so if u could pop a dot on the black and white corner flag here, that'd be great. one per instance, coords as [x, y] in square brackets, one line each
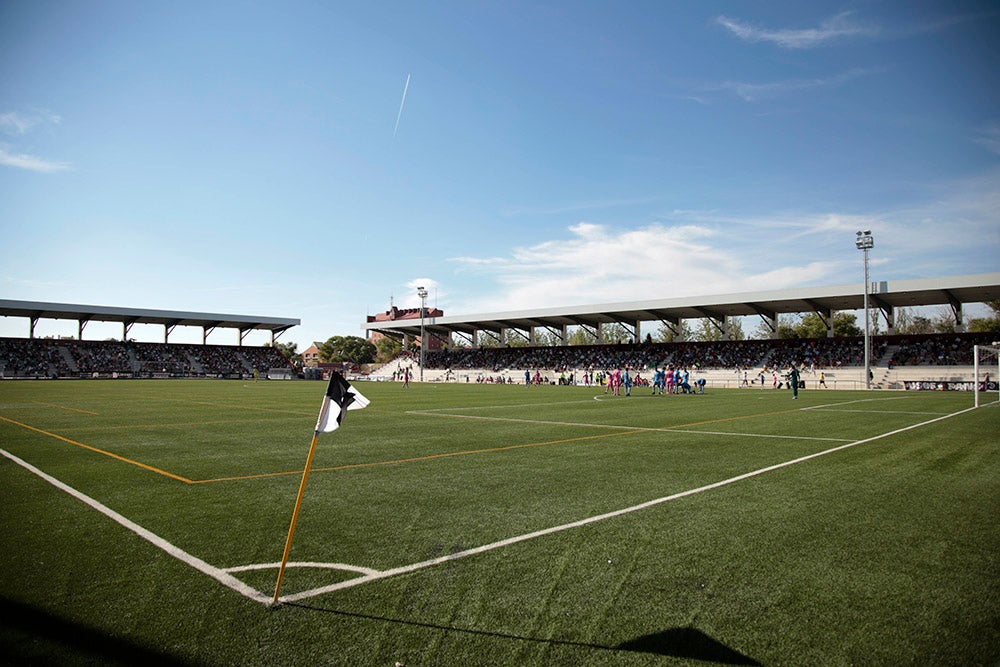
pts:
[340, 397]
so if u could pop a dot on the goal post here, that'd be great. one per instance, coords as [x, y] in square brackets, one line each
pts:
[986, 370]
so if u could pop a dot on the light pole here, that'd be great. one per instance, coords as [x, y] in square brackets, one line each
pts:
[422, 293]
[865, 242]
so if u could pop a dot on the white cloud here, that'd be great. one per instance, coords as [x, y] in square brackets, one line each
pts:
[598, 264]
[31, 162]
[836, 27]
[989, 138]
[955, 231]
[753, 92]
[410, 298]
[16, 123]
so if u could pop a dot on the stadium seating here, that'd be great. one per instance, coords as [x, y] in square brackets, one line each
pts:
[51, 358]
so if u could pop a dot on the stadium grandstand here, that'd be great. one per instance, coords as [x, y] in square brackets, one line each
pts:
[896, 361]
[78, 358]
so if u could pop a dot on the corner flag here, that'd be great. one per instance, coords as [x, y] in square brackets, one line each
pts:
[340, 397]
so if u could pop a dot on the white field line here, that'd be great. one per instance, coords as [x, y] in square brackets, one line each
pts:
[224, 577]
[619, 427]
[860, 400]
[221, 576]
[406, 569]
[323, 566]
[881, 412]
[836, 407]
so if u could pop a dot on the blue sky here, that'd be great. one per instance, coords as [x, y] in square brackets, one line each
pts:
[261, 158]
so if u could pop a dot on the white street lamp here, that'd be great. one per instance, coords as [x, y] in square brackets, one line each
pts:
[422, 293]
[865, 242]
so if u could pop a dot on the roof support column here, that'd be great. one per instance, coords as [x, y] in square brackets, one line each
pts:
[825, 314]
[718, 321]
[772, 325]
[672, 325]
[957, 312]
[887, 310]
[769, 317]
[467, 337]
[79, 329]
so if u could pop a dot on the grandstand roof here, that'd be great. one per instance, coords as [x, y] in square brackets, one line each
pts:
[887, 295]
[36, 310]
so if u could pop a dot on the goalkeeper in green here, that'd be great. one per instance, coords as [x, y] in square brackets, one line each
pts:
[793, 379]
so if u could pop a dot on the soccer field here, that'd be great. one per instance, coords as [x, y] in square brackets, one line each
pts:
[497, 525]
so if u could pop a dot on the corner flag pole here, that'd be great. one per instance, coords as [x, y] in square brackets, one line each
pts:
[295, 517]
[339, 398]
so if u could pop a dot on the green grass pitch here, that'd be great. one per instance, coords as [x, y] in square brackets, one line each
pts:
[497, 525]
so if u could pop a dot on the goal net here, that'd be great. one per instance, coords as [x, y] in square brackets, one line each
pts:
[987, 372]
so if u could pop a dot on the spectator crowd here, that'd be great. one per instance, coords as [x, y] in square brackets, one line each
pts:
[72, 358]
[48, 357]
[812, 353]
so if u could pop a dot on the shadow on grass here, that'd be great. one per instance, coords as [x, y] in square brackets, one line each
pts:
[32, 636]
[676, 642]
[686, 643]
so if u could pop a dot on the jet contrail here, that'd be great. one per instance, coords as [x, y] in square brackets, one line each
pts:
[401, 103]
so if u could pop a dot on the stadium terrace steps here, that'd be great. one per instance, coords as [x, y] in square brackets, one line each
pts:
[844, 377]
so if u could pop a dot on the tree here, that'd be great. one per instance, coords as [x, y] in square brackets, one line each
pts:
[664, 334]
[787, 327]
[546, 338]
[488, 339]
[944, 322]
[909, 324]
[735, 327]
[707, 330]
[782, 323]
[614, 333]
[812, 326]
[514, 338]
[987, 324]
[347, 348]
[289, 350]
[386, 348]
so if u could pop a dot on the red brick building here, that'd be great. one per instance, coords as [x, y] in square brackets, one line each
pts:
[394, 314]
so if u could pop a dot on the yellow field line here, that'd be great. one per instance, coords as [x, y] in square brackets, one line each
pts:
[240, 406]
[100, 451]
[371, 464]
[172, 424]
[415, 459]
[65, 407]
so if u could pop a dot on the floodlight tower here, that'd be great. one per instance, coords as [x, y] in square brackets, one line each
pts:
[865, 242]
[422, 293]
